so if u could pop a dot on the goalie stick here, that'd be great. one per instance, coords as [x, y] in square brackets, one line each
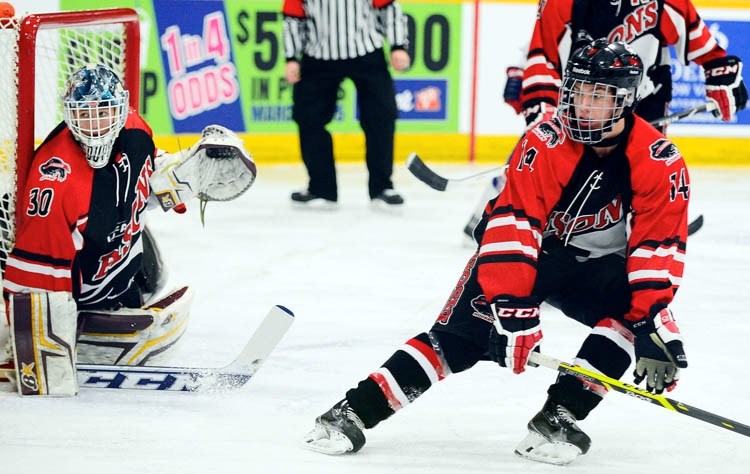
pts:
[639, 393]
[230, 377]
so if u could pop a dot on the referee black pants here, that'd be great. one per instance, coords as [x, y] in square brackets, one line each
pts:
[314, 108]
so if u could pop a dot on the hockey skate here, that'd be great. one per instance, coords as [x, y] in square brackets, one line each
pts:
[554, 437]
[337, 431]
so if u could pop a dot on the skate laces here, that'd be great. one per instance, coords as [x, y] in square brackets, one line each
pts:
[342, 411]
[563, 417]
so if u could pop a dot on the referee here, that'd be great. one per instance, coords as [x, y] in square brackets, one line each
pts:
[326, 41]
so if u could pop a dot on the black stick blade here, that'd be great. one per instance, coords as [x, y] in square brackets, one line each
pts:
[420, 170]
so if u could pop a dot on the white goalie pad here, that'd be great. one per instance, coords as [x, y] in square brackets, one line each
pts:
[216, 168]
[43, 329]
[135, 336]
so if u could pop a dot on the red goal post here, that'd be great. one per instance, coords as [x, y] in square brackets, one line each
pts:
[38, 52]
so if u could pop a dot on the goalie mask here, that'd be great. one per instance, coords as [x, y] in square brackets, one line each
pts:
[599, 88]
[95, 106]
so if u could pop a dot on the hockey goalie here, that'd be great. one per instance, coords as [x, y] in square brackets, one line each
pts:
[85, 281]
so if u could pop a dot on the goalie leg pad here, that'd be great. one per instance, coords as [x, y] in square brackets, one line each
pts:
[135, 336]
[43, 328]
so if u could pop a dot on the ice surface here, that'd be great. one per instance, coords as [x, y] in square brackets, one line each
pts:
[361, 283]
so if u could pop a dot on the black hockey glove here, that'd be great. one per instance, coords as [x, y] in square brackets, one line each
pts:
[724, 85]
[658, 351]
[515, 333]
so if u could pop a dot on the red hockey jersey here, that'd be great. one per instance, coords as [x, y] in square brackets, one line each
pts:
[631, 202]
[78, 228]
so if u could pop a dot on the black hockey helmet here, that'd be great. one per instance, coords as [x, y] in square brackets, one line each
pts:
[601, 82]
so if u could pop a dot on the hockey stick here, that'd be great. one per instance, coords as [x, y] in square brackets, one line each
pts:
[230, 377]
[683, 114]
[639, 393]
[424, 173]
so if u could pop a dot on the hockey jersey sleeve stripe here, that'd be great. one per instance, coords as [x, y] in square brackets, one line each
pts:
[523, 225]
[21, 254]
[545, 79]
[508, 247]
[652, 286]
[40, 269]
[673, 252]
[663, 275]
[507, 258]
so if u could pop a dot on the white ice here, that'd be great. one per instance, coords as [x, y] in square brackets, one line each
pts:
[361, 283]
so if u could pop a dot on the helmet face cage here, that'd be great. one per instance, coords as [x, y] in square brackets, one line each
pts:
[588, 110]
[599, 88]
[95, 107]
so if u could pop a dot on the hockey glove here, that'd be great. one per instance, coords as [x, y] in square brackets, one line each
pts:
[658, 352]
[512, 89]
[515, 333]
[538, 113]
[725, 87]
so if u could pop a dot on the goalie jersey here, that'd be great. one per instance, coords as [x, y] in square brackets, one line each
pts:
[79, 228]
[562, 197]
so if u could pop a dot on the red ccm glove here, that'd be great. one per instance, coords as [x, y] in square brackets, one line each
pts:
[515, 333]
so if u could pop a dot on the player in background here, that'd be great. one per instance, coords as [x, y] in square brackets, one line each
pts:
[592, 220]
[649, 27]
[85, 276]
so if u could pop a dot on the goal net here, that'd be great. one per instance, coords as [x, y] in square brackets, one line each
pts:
[38, 53]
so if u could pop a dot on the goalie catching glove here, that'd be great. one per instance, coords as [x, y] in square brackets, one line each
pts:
[514, 335]
[216, 168]
[658, 351]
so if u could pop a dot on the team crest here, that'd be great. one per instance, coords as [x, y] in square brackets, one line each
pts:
[54, 169]
[481, 309]
[550, 133]
[664, 150]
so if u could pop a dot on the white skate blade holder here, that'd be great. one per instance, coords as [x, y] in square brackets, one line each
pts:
[326, 441]
[535, 447]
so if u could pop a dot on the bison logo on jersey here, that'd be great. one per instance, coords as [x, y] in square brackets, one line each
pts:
[664, 150]
[481, 309]
[550, 133]
[54, 169]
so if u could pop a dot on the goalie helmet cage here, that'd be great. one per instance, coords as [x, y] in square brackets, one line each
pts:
[38, 53]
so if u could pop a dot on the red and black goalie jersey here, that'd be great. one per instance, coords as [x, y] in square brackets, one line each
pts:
[79, 228]
[561, 196]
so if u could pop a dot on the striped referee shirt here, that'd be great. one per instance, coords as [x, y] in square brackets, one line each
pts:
[341, 29]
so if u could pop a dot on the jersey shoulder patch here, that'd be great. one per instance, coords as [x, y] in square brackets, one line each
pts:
[550, 132]
[662, 149]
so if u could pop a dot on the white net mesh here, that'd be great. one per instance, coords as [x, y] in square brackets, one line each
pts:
[64, 42]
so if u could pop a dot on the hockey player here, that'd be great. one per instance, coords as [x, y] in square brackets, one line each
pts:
[593, 220]
[649, 26]
[85, 276]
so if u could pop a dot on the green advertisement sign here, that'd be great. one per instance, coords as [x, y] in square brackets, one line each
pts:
[427, 95]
